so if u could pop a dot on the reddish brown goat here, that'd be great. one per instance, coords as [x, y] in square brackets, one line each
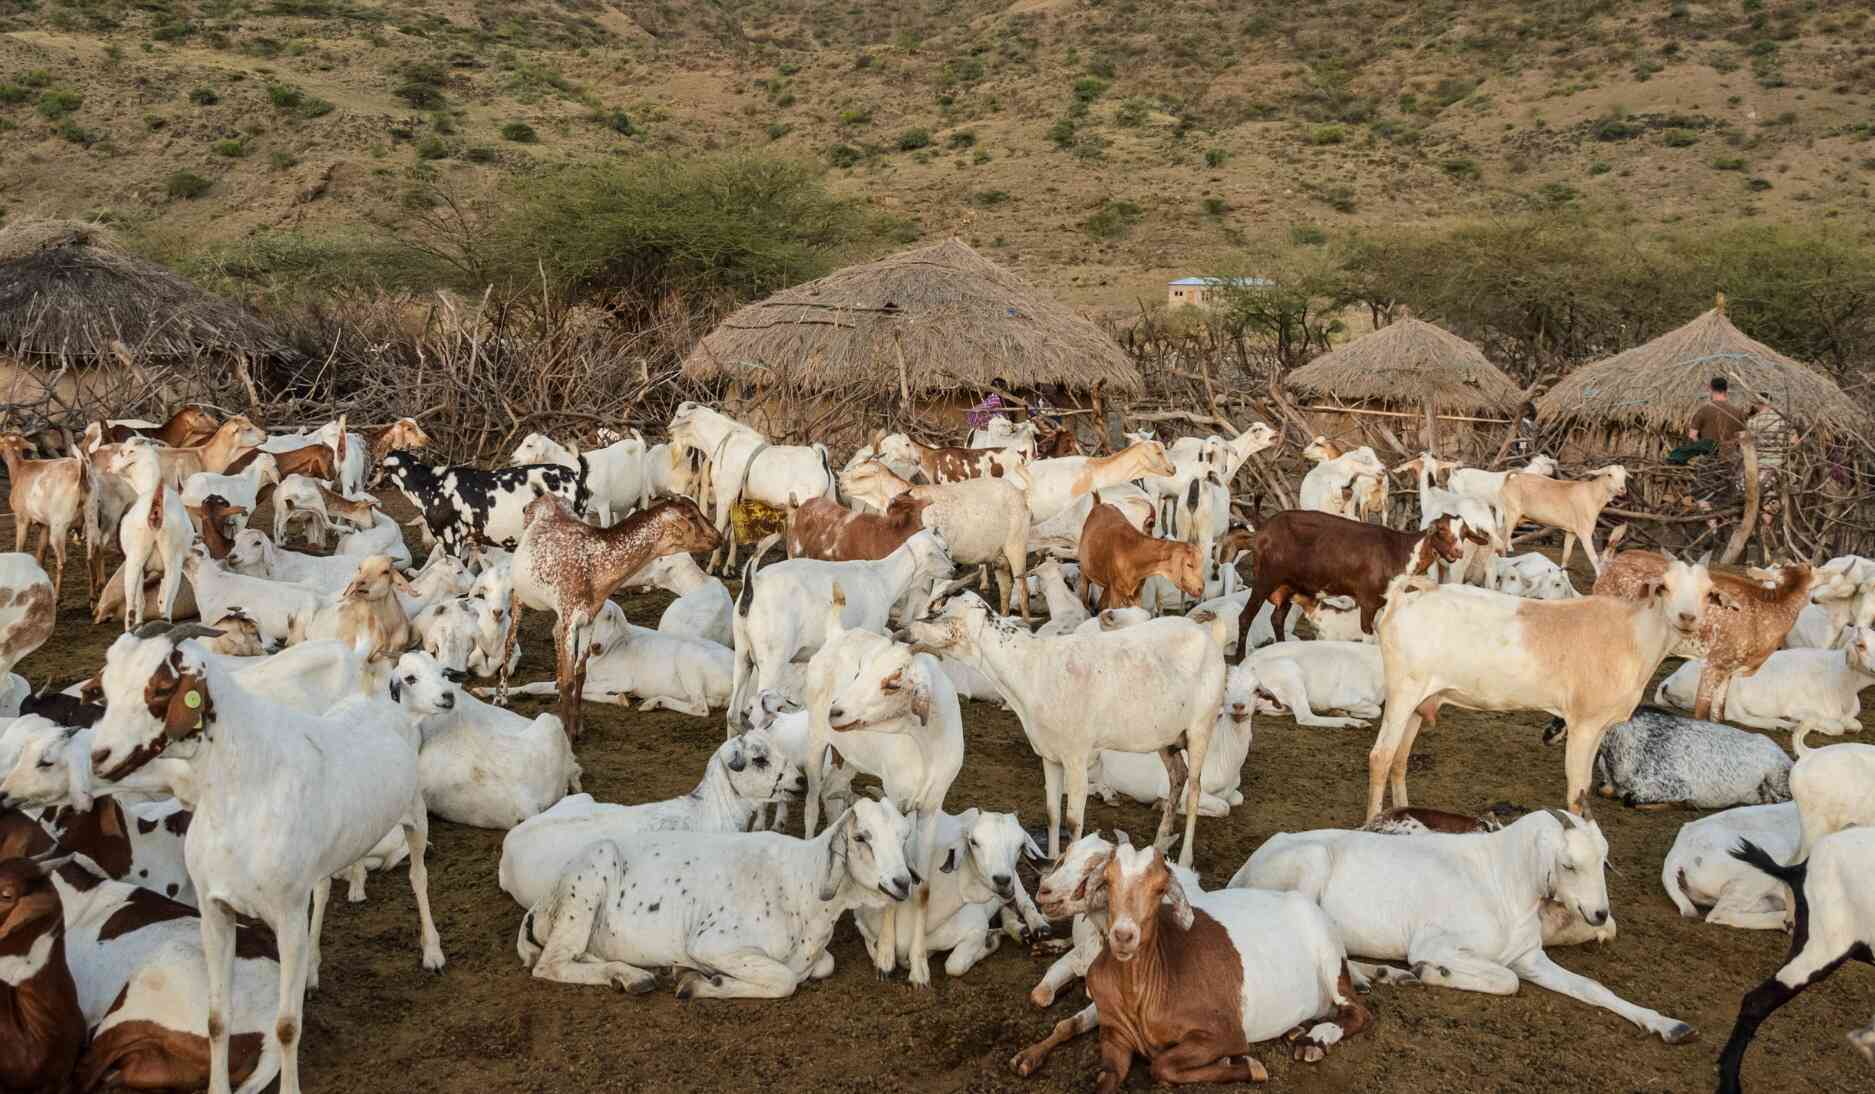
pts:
[186, 428]
[826, 530]
[312, 460]
[1056, 443]
[1301, 551]
[42, 1029]
[213, 517]
[1747, 624]
[1119, 559]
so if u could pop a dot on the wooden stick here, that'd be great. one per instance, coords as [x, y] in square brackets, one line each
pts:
[1402, 414]
[1735, 548]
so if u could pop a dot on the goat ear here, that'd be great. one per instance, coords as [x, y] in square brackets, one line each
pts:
[1582, 807]
[1030, 849]
[921, 700]
[836, 855]
[1181, 904]
[949, 865]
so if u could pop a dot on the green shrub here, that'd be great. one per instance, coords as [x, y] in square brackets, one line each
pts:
[421, 96]
[1062, 133]
[618, 122]
[1600, 167]
[1757, 183]
[37, 77]
[154, 122]
[1215, 206]
[186, 186]
[778, 130]
[1728, 163]
[281, 160]
[233, 148]
[1461, 167]
[1114, 220]
[913, 139]
[844, 155]
[1307, 235]
[987, 199]
[1132, 112]
[174, 30]
[963, 138]
[204, 96]
[1614, 127]
[1338, 197]
[13, 94]
[519, 133]
[284, 97]
[56, 104]
[1555, 194]
[1215, 157]
[857, 115]
[1089, 88]
[1680, 138]
[1327, 134]
[480, 154]
[432, 148]
[74, 133]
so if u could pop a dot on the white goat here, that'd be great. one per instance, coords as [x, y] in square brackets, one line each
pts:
[703, 608]
[1053, 485]
[1700, 870]
[241, 489]
[1530, 575]
[1810, 689]
[157, 523]
[614, 475]
[282, 802]
[384, 537]
[1344, 484]
[1465, 911]
[282, 610]
[781, 612]
[742, 464]
[1301, 678]
[1156, 685]
[687, 675]
[255, 555]
[755, 911]
[984, 521]
[1141, 777]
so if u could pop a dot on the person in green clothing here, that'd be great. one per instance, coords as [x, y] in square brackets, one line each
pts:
[1715, 425]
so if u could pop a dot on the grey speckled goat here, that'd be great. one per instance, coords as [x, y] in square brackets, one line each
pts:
[1659, 757]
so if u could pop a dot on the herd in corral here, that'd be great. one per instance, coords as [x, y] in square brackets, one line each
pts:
[171, 826]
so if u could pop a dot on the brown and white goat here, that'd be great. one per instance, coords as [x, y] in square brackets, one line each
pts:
[42, 1029]
[315, 461]
[822, 528]
[1745, 626]
[568, 567]
[218, 522]
[948, 464]
[50, 495]
[1573, 506]
[370, 613]
[1191, 982]
[1119, 559]
[402, 433]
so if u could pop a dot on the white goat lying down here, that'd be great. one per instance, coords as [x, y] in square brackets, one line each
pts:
[1531, 575]
[1700, 870]
[1141, 776]
[1658, 757]
[744, 915]
[1835, 921]
[976, 882]
[744, 774]
[1844, 594]
[670, 672]
[481, 765]
[1818, 690]
[1464, 911]
[702, 608]
[1302, 678]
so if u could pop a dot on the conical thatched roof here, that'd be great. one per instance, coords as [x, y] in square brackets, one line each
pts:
[1410, 362]
[68, 291]
[954, 315]
[1659, 385]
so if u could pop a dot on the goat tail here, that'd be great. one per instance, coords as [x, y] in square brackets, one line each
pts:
[1758, 858]
[1396, 596]
[1799, 742]
[833, 481]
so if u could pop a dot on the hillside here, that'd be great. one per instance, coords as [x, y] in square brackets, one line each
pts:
[1097, 145]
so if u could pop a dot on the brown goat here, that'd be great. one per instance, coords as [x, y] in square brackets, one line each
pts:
[369, 608]
[402, 433]
[42, 1029]
[188, 426]
[213, 517]
[824, 529]
[564, 565]
[1746, 624]
[1119, 559]
[1300, 551]
[312, 460]
[49, 495]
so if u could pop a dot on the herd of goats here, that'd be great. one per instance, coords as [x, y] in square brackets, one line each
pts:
[170, 828]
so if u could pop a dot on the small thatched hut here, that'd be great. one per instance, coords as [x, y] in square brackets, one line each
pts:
[1636, 399]
[103, 330]
[1408, 372]
[930, 326]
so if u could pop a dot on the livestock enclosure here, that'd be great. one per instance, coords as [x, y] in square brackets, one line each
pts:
[380, 1025]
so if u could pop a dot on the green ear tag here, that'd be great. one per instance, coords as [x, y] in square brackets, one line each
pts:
[192, 699]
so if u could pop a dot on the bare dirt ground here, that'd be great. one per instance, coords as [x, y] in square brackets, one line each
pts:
[379, 1023]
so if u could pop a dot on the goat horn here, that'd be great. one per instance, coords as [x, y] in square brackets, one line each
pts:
[1565, 819]
[154, 629]
[193, 630]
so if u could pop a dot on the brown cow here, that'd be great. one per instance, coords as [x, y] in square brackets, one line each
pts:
[1301, 551]
[1119, 559]
[824, 529]
[1746, 624]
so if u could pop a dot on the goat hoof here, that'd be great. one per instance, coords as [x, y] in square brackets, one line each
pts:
[1680, 1034]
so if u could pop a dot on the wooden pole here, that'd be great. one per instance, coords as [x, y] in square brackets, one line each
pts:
[1748, 522]
[1432, 427]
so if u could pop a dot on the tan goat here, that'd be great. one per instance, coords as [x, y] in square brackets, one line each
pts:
[49, 495]
[1573, 506]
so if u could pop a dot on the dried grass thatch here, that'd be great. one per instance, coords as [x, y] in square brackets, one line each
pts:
[70, 293]
[950, 315]
[1659, 385]
[1410, 362]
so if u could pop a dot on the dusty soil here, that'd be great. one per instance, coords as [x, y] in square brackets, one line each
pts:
[380, 1024]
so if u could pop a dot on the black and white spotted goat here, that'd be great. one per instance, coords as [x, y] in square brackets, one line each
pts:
[467, 507]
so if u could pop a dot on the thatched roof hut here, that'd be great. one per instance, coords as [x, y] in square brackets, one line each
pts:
[1656, 387]
[1410, 363]
[70, 293]
[929, 320]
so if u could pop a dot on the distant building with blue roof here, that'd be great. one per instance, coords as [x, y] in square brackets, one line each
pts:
[1195, 291]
